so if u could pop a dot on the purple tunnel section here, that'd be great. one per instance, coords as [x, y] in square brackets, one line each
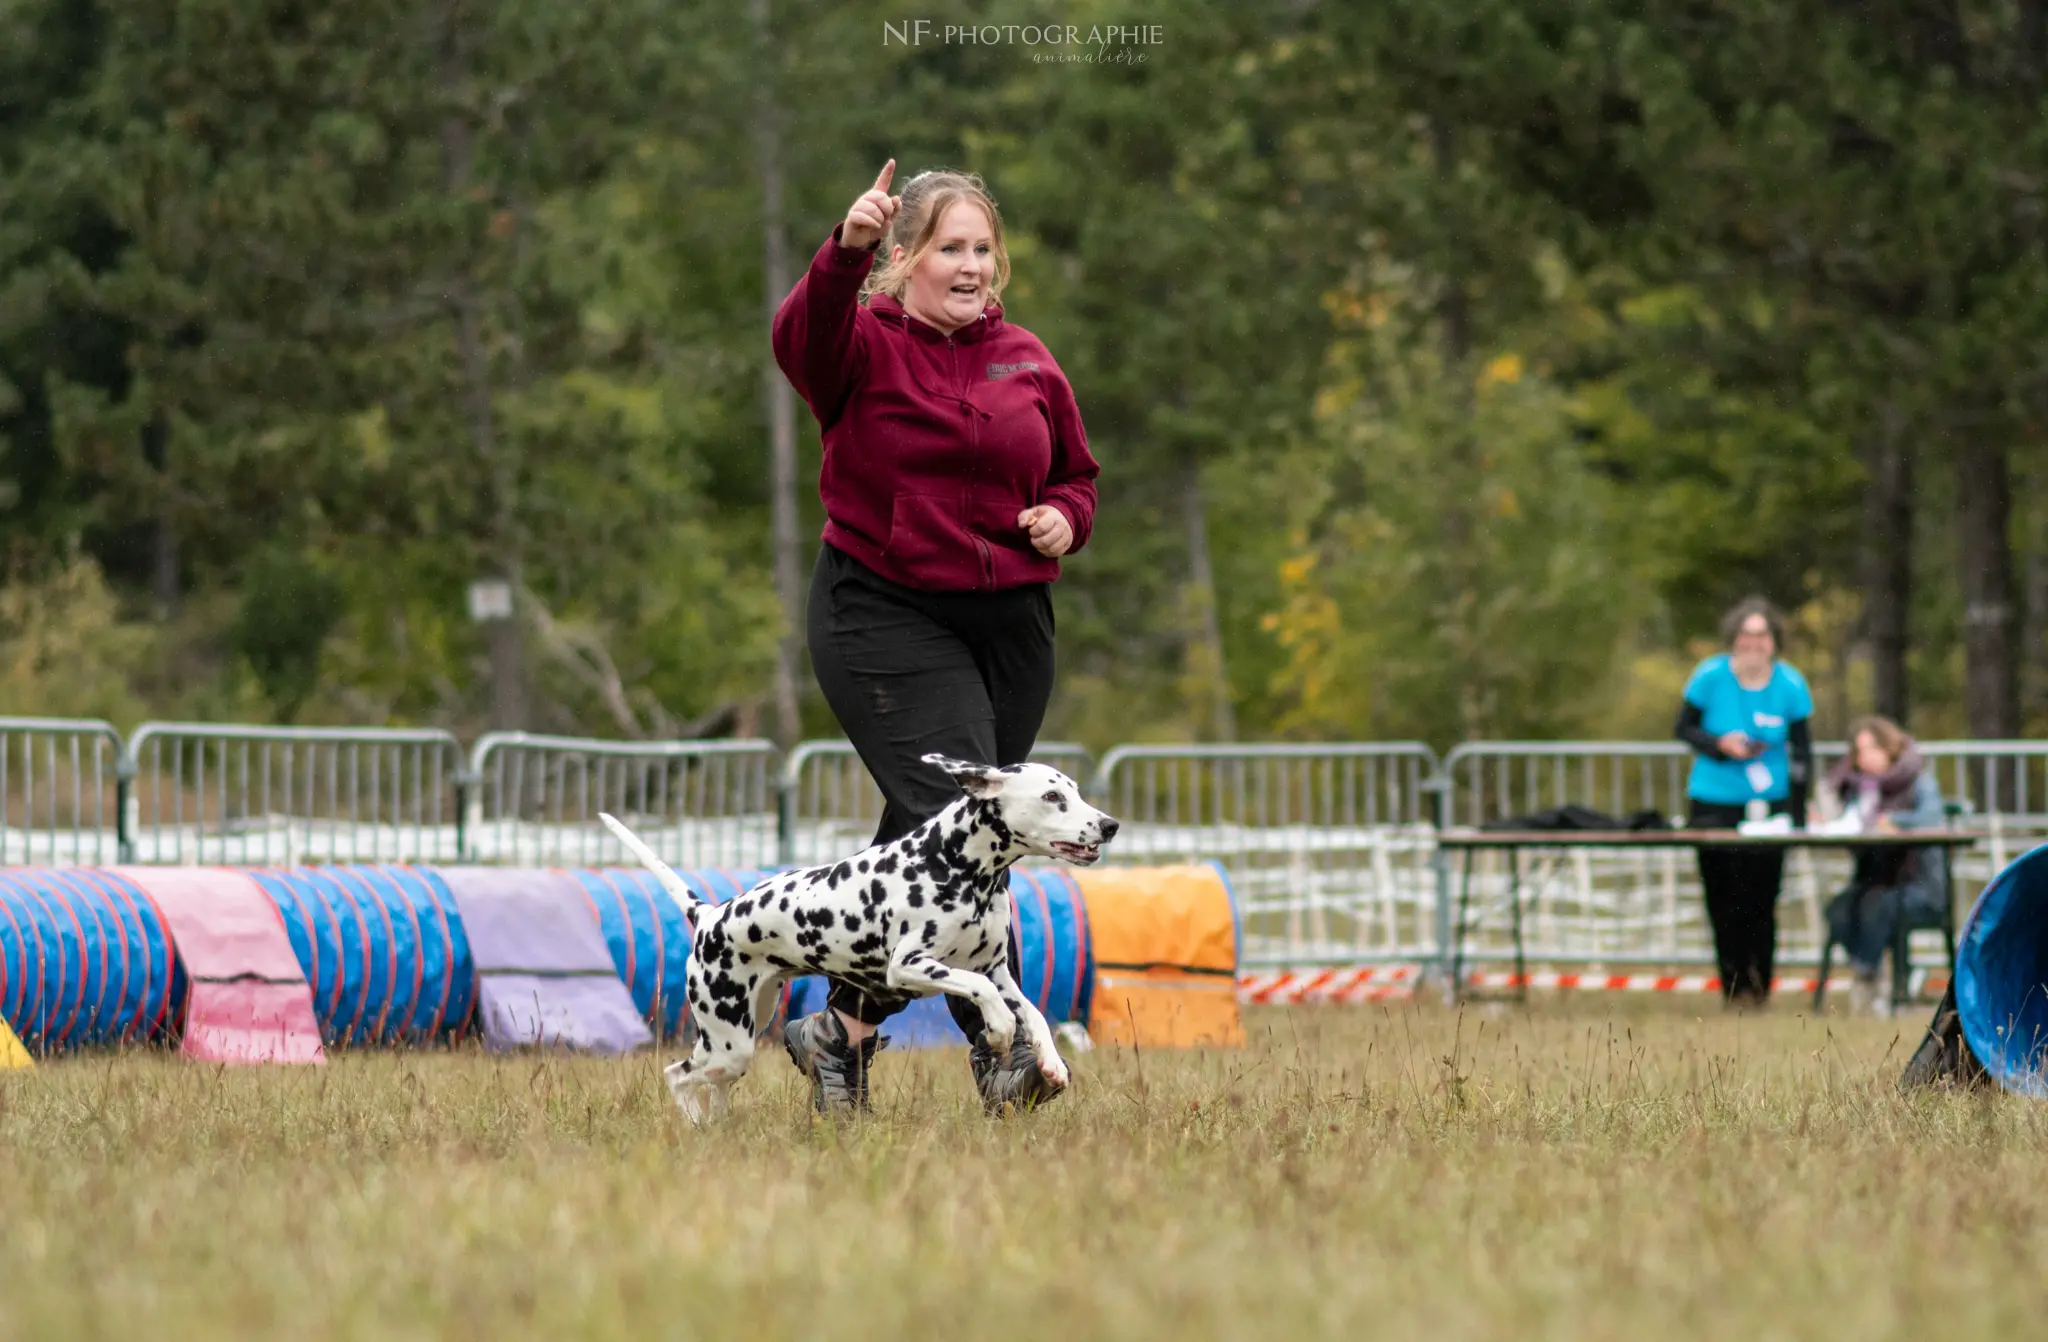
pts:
[545, 977]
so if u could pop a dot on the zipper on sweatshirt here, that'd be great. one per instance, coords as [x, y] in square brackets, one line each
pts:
[988, 559]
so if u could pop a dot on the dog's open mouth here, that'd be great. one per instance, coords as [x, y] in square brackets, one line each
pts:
[1082, 853]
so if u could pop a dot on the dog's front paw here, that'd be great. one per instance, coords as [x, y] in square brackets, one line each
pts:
[999, 1035]
[1054, 1069]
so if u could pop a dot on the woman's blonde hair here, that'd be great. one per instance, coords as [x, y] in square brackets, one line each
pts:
[1890, 737]
[926, 198]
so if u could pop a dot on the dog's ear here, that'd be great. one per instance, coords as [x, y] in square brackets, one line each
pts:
[977, 780]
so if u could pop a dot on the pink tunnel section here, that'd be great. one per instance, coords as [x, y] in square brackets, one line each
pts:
[247, 1000]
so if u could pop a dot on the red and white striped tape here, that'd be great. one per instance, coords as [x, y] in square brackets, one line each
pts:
[1359, 983]
[1393, 983]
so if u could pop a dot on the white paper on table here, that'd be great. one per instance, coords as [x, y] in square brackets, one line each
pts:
[1777, 824]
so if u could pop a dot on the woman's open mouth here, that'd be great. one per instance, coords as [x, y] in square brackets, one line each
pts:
[1079, 853]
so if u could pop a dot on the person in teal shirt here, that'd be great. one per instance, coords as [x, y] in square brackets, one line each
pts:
[1747, 716]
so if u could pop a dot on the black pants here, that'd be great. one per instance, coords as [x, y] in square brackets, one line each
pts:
[1742, 901]
[907, 673]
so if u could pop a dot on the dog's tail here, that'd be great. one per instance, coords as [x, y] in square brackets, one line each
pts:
[670, 882]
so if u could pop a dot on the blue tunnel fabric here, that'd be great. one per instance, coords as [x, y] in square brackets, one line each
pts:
[1056, 954]
[648, 940]
[2002, 976]
[648, 936]
[383, 949]
[84, 959]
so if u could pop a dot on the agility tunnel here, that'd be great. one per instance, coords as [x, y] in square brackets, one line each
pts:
[1166, 943]
[84, 959]
[281, 965]
[2001, 978]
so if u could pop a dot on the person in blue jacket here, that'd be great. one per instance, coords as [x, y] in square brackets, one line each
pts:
[1747, 716]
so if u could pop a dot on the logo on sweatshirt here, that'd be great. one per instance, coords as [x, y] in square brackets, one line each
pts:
[996, 370]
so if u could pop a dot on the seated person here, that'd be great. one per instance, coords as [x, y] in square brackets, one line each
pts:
[1884, 781]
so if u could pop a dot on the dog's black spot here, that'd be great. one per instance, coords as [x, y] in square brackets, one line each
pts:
[753, 932]
[913, 898]
[938, 972]
[782, 906]
[931, 932]
[885, 864]
[863, 866]
[852, 922]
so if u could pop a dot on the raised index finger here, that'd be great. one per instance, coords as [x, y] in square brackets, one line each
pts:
[882, 178]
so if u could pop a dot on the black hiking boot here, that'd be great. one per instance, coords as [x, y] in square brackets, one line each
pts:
[1017, 1081]
[838, 1070]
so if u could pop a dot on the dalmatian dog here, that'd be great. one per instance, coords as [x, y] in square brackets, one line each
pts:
[927, 913]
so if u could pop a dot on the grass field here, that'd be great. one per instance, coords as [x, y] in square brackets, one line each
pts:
[1592, 1170]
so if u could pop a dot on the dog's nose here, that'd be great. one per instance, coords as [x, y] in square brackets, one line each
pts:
[1109, 828]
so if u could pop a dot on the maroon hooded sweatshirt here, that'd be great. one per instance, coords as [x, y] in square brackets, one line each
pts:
[933, 443]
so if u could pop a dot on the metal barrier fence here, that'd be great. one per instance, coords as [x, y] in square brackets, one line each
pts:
[60, 792]
[1330, 848]
[534, 800]
[830, 806]
[203, 793]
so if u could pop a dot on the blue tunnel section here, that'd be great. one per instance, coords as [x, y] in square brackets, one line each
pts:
[1057, 955]
[648, 937]
[84, 959]
[383, 950]
[2002, 976]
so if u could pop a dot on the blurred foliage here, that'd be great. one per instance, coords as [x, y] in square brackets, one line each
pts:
[1502, 342]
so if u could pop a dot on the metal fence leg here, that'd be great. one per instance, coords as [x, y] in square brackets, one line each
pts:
[785, 823]
[465, 788]
[124, 796]
[1443, 970]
